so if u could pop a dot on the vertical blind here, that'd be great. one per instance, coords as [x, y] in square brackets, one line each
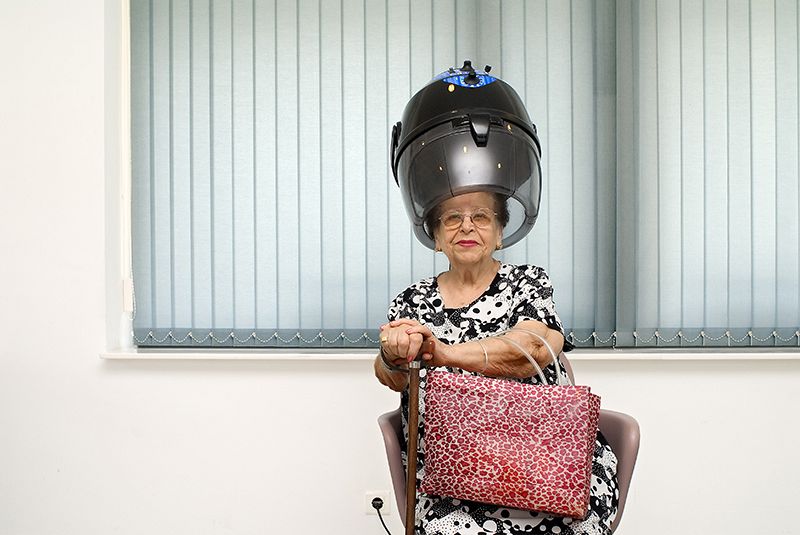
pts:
[265, 214]
[708, 241]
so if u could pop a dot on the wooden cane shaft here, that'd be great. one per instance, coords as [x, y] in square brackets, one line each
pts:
[413, 433]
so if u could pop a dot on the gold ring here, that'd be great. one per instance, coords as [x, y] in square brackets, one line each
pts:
[384, 339]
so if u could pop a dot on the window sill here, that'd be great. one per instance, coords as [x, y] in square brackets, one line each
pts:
[720, 354]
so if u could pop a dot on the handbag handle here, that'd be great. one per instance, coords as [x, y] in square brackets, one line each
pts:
[540, 373]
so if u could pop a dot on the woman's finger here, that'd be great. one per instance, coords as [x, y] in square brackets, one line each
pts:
[420, 329]
[402, 321]
[414, 345]
[402, 343]
[389, 344]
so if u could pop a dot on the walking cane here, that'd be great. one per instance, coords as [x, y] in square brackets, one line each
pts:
[413, 432]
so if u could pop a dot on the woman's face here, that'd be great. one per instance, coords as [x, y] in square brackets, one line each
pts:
[466, 242]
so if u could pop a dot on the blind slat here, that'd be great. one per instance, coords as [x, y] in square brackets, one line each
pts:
[716, 163]
[740, 228]
[693, 183]
[787, 145]
[310, 163]
[557, 206]
[669, 156]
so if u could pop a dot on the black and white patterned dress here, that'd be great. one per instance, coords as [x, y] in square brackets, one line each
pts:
[517, 293]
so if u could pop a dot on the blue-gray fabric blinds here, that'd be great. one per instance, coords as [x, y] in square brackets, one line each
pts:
[265, 214]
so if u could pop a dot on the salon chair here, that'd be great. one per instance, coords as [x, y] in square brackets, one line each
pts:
[621, 431]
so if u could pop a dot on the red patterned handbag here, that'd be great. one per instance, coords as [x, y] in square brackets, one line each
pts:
[508, 443]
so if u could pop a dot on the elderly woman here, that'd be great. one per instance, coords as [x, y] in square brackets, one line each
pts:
[477, 299]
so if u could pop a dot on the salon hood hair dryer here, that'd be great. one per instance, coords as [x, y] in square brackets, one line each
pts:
[467, 131]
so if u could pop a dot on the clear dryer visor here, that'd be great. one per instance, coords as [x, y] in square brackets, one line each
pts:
[444, 163]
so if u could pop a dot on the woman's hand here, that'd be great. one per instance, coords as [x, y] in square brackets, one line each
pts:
[399, 346]
[403, 339]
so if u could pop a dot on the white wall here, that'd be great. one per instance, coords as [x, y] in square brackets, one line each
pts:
[89, 446]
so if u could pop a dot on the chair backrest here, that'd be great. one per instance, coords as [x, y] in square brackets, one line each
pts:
[621, 431]
[391, 424]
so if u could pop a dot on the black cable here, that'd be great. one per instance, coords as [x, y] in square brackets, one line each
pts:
[377, 503]
[382, 522]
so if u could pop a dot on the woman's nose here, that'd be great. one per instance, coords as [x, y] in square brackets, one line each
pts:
[464, 224]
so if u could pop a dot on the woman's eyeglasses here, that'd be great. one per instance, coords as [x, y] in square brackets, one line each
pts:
[481, 218]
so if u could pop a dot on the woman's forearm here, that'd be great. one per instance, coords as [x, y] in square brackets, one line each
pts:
[504, 355]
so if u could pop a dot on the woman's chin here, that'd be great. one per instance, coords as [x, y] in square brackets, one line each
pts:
[469, 255]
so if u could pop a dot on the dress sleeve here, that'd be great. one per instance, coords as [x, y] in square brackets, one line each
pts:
[533, 300]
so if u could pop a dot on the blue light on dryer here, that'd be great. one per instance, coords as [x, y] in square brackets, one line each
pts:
[478, 80]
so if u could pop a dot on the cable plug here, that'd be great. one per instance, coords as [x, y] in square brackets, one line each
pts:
[377, 504]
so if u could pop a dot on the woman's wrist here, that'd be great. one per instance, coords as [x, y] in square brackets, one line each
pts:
[388, 365]
[485, 357]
